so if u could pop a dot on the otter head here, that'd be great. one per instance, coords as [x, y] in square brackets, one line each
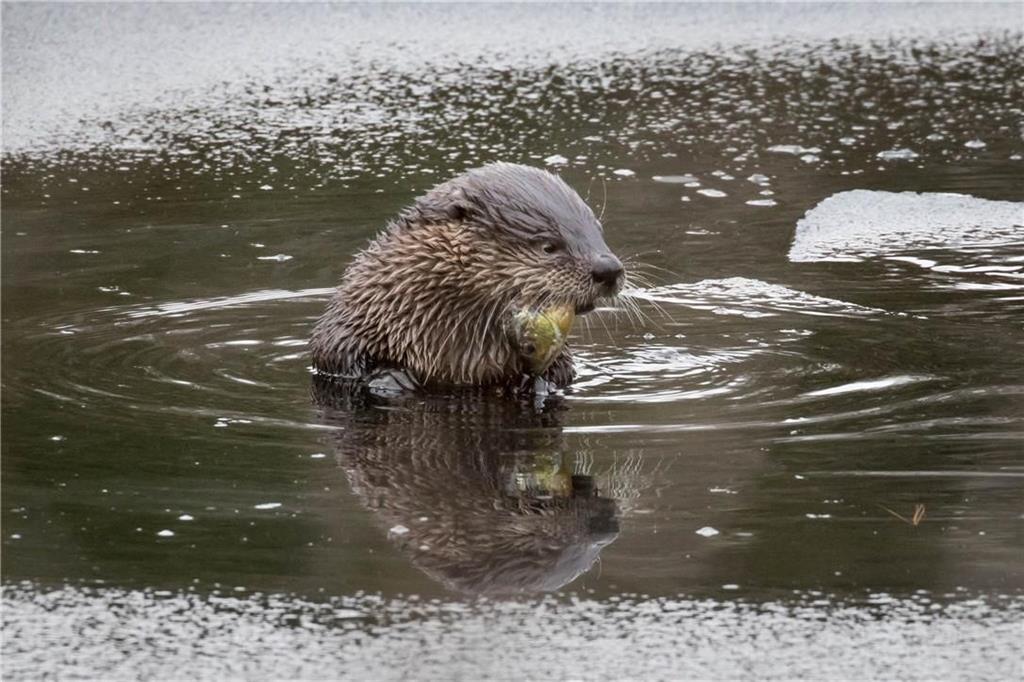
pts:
[433, 294]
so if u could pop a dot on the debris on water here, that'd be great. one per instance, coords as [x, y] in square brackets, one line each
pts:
[975, 144]
[84, 251]
[398, 530]
[730, 586]
[624, 172]
[902, 154]
[556, 160]
[818, 516]
[713, 193]
[759, 179]
[280, 257]
[166, 533]
[915, 519]
[707, 531]
[762, 202]
[186, 517]
[267, 505]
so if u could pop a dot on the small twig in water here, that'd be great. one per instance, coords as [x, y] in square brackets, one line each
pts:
[916, 518]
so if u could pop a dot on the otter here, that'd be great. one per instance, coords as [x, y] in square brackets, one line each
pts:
[429, 301]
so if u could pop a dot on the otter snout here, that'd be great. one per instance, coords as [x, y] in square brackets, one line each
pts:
[608, 272]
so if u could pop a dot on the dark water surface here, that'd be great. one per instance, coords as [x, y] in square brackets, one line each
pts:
[823, 208]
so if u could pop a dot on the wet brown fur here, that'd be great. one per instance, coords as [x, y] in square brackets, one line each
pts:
[431, 295]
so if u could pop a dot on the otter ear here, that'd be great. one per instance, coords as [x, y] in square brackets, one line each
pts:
[459, 207]
[459, 211]
[451, 206]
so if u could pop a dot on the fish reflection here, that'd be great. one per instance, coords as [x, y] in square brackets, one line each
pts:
[479, 493]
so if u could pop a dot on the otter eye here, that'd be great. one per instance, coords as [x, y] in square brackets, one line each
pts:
[530, 349]
[551, 247]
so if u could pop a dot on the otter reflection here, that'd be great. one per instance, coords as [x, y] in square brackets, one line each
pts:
[478, 492]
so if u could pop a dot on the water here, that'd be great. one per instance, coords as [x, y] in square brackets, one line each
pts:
[823, 203]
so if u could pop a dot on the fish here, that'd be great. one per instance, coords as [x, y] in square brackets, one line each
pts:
[540, 335]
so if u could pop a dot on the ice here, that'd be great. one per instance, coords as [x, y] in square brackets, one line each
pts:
[675, 179]
[860, 224]
[902, 154]
[707, 531]
[267, 505]
[713, 193]
[794, 149]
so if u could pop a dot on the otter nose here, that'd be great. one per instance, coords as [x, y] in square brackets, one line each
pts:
[606, 269]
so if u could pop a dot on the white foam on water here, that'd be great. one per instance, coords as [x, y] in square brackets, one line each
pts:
[861, 224]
